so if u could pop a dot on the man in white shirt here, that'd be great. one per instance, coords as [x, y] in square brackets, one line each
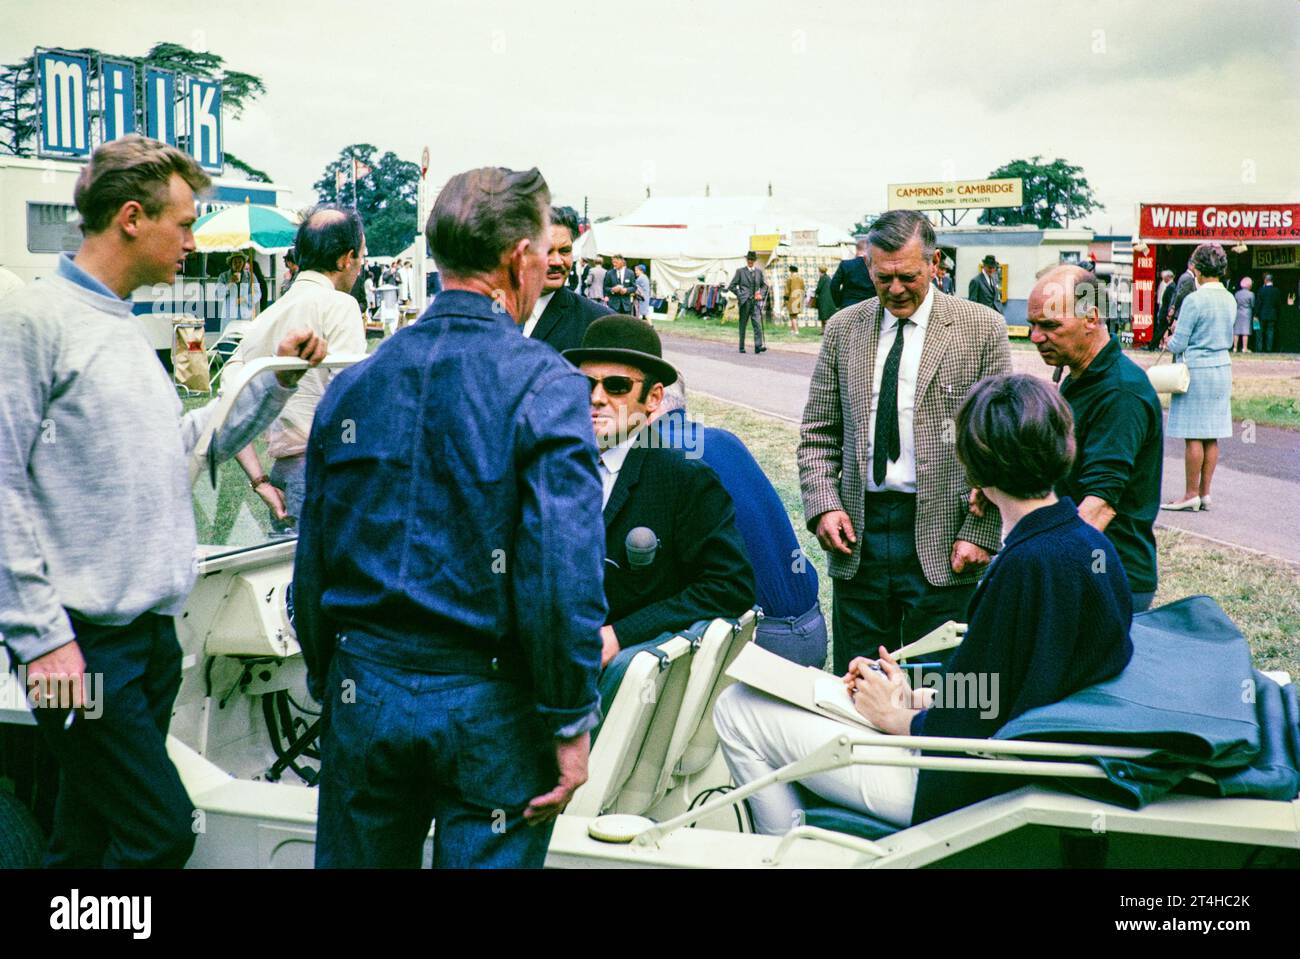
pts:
[561, 317]
[331, 248]
[881, 483]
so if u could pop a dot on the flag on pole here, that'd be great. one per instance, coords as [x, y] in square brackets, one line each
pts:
[359, 169]
[339, 180]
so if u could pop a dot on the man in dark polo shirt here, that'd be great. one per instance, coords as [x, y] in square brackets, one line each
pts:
[1118, 427]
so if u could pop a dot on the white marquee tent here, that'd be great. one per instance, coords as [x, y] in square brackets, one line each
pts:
[689, 237]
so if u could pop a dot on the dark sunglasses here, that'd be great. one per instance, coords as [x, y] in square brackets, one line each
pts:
[614, 385]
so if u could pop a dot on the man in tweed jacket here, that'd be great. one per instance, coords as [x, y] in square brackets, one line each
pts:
[905, 551]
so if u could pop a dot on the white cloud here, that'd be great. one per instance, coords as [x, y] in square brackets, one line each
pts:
[829, 102]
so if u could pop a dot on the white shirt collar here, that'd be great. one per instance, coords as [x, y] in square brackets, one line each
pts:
[921, 317]
[538, 309]
[613, 458]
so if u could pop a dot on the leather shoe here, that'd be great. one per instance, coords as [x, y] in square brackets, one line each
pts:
[1192, 505]
[742, 349]
[761, 349]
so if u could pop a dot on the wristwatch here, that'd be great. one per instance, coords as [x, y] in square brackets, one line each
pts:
[257, 481]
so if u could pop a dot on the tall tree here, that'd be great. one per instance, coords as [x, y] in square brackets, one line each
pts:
[385, 194]
[18, 92]
[1054, 194]
[863, 226]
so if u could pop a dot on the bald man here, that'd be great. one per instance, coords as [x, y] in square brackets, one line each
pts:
[330, 248]
[1118, 430]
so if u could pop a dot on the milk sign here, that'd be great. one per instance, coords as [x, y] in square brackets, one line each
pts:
[65, 97]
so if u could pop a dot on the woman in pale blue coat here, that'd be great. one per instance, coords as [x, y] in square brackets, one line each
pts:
[1202, 339]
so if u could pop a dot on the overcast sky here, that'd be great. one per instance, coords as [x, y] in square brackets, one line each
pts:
[828, 101]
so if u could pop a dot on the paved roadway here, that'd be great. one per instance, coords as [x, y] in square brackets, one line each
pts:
[1256, 486]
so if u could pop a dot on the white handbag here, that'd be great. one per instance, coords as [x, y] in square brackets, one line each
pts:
[1174, 378]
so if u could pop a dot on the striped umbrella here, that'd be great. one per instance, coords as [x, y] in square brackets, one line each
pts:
[266, 229]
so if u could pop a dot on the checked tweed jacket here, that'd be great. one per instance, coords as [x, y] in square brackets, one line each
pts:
[964, 343]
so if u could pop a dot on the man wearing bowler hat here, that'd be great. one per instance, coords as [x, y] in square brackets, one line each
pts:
[673, 555]
[984, 286]
[750, 288]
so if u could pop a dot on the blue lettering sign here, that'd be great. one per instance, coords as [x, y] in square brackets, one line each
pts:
[117, 98]
[160, 104]
[203, 113]
[62, 90]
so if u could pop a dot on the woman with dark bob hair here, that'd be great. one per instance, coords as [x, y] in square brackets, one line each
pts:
[1050, 617]
[1202, 339]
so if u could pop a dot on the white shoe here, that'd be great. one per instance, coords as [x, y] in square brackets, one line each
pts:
[1205, 504]
[1191, 505]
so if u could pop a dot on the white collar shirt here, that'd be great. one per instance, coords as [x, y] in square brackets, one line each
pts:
[611, 463]
[538, 309]
[900, 474]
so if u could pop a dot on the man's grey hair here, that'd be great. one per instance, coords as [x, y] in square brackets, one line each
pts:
[894, 230]
[1210, 260]
[1166, 274]
[480, 214]
[674, 395]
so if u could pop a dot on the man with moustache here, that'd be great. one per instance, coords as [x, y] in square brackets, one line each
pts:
[560, 317]
[447, 585]
[1118, 424]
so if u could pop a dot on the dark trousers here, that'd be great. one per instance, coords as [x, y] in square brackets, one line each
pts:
[889, 602]
[402, 749]
[751, 312]
[121, 802]
[1267, 331]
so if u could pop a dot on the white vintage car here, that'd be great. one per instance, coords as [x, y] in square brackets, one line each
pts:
[244, 734]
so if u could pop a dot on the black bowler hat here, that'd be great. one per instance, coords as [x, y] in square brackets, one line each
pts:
[625, 339]
[989, 260]
[751, 255]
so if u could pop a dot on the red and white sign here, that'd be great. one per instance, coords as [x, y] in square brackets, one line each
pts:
[1199, 222]
[1144, 288]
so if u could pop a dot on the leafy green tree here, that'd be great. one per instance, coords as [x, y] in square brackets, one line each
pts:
[863, 226]
[1054, 194]
[18, 93]
[385, 195]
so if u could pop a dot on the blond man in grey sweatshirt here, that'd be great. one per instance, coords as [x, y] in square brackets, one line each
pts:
[97, 542]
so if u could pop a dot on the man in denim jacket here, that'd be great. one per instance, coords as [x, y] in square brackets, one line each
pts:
[448, 591]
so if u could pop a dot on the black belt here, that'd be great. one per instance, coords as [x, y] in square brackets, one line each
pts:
[432, 657]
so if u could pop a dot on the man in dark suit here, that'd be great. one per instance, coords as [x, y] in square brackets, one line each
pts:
[1268, 307]
[673, 555]
[822, 299]
[1160, 322]
[750, 287]
[619, 286]
[984, 287]
[852, 280]
[561, 316]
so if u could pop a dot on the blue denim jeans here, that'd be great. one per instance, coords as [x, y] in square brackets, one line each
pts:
[801, 639]
[402, 749]
[289, 475]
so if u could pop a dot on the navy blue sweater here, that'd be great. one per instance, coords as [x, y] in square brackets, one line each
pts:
[1050, 617]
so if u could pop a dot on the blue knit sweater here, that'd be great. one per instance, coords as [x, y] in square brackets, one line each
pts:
[1050, 617]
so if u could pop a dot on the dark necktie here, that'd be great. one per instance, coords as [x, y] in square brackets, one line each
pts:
[887, 444]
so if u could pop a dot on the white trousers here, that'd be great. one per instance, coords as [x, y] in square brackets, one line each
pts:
[760, 734]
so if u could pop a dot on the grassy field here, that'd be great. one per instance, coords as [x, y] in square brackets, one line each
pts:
[1261, 595]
